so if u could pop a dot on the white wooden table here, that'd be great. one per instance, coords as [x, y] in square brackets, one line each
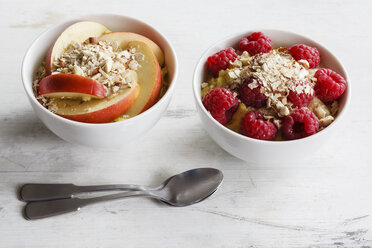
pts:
[325, 201]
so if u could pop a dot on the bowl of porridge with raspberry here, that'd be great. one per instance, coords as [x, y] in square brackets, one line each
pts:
[263, 94]
[100, 80]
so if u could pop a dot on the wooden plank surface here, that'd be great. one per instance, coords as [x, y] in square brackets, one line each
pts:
[324, 201]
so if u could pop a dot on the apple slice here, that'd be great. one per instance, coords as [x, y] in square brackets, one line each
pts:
[78, 32]
[123, 38]
[149, 78]
[71, 86]
[97, 110]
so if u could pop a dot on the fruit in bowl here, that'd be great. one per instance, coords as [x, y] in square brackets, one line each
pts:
[271, 93]
[93, 75]
[83, 106]
[232, 100]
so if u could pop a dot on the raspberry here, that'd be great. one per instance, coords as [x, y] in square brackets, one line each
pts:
[256, 43]
[301, 99]
[221, 103]
[329, 85]
[220, 61]
[252, 97]
[299, 124]
[308, 53]
[254, 126]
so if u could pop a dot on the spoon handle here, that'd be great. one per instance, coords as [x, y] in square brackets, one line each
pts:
[43, 209]
[42, 192]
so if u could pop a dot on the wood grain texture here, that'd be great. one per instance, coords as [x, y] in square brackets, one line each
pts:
[324, 201]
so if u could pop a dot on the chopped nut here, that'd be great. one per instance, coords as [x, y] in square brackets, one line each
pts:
[108, 65]
[254, 84]
[232, 75]
[235, 64]
[282, 110]
[126, 54]
[204, 84]
[78, 70]
[326, 121]
[115, 88]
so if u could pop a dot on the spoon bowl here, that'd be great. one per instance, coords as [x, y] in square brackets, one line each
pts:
[191, 186]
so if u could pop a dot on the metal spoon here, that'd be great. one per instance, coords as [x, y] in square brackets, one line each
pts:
[180, 190]
[44, 192]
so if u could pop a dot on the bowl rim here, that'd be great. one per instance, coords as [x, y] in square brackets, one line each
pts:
[168, 93]
[196, 90]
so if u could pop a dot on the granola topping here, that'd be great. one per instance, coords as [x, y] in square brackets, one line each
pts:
[101, 62]
[279, 73]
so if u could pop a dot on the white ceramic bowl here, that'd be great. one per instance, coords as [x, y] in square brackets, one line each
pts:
[259, 151]
[108, 134]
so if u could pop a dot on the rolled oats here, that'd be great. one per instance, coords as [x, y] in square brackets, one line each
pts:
[279, 73]
[99, 61]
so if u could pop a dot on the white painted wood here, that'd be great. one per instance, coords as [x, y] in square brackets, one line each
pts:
[324, 201]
